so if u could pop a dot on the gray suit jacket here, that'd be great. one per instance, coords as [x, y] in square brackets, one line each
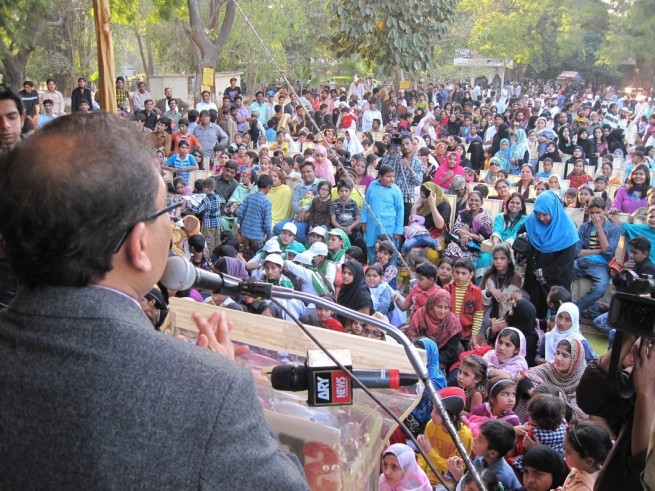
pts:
[91, 397]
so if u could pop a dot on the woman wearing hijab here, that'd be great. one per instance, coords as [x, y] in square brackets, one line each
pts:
[544, 469]
[445, 173]
[437, 321]
[565, 140]
[519, 153]
[421, 413]
[567, 326]
[584, 142]
[501, 134]
[427, 127]
[453, 125]
[564, 372]
[551, 153]
[354, 294]
[553, 237]
[523, 317]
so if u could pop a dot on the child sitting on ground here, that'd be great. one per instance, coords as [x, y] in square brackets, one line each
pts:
[426, 276]
[586, 446]
[472, 378]
[436, 442]
[545, 426]
[502, 397]
[326, 316]
[416, 235]
[400, 472]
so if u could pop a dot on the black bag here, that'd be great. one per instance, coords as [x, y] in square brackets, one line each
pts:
[521, 246]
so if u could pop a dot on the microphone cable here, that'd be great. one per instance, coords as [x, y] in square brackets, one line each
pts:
[364, 388]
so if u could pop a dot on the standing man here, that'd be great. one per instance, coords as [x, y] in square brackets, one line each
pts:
[79, 94]
[123, 98]
[408, 169]
[58, 104]
[242, 113]
[81, 314]
[209, 134]
[260, 106]
[30, 98]
[357, 89]
[173, 114]
[140, 96]
[205, 102]
[233, 90]
[162, 104]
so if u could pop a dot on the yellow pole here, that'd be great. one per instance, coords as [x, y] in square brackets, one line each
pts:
[106, 68]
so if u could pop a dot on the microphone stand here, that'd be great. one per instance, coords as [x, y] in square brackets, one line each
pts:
[410, 350]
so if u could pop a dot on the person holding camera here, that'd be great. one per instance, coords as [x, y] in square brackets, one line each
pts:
[407, 167]
[553, 239]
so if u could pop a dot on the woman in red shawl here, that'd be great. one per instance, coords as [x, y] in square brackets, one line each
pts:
[445, 173]
[437, 322]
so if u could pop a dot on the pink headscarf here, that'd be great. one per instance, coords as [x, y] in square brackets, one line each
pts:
[513, 364]
[440, 175]
[414, 479]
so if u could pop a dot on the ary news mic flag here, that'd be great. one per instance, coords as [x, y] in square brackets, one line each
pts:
[327, 385]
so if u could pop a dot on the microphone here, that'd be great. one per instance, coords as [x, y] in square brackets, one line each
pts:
[180, 274]
[295, 378]
[328, 385]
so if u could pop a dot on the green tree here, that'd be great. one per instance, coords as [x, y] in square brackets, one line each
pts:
[630, 36]
[388, 33]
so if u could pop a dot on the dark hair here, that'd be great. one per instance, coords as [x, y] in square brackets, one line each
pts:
[546, 410]
[310, 320]
[197, 242]
[559, 295]
[640, 243]
[385, 169]
[489, 479]
[464, 262]
[589, 440]
[209, 183]
[387, 246]
[498, 386]
[427, 269]
[70, 239]
[324, 183]
[513, 336]
[375, 268]
[344, 184]
[478, 365]
[356, 253]
[9, 95]
[264, 181]
[644, 168]
[232, 165]
[491, 270]
[447, 260]
[499, 435]
[506, 217]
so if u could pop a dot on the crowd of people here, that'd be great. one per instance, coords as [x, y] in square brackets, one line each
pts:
[446, 211]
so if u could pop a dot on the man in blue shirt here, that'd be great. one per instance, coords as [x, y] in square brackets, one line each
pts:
[254, 215]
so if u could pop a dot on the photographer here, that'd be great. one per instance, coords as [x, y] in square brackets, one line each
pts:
[408, 169]
[600, 397]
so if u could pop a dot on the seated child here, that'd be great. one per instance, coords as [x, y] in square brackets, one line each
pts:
[545, 426]
[502, 397]
[567, 326]
[586, 446]
[380, 291]
[384, 257]
[400, 472]
[467, 299]
[354, 327]
[444, 271]
[436, 442]
[472, 378]
[197, 249]
[326, 316]
[547, 171]
[508, 357]
[426, 276]
[416, 235]
[495, 439]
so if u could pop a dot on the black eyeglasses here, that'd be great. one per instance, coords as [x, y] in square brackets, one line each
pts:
[149, 218]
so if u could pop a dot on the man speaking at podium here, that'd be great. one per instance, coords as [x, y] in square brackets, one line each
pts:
[91, 396]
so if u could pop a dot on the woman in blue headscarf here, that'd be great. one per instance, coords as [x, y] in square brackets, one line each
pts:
[553, 237]
[420, 416]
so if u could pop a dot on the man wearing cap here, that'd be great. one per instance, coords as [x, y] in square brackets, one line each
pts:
[270, 106]
[311, 282]
[324, 266]
[255, 263]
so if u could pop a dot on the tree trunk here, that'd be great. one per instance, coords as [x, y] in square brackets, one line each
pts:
[209, 50]
[145, 51]
[14, 70]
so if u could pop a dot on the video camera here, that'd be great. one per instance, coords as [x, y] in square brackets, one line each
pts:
[629, 311]
[396, 140]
